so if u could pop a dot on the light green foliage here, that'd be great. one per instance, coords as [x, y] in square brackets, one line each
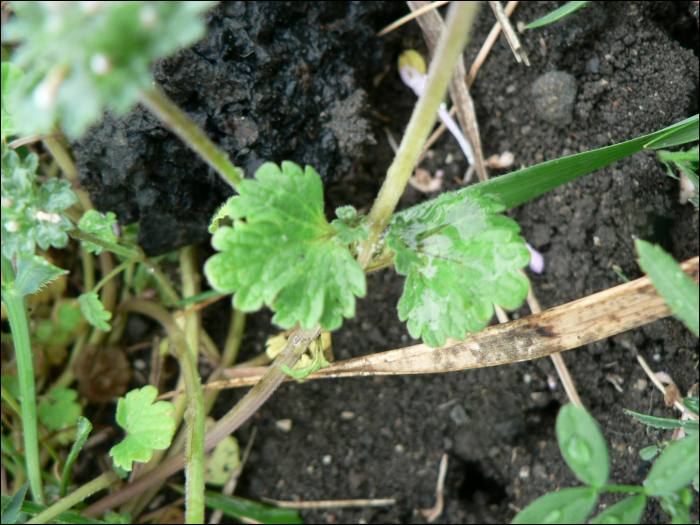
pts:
[31, 214]
[649, 453]
[80, 57]
[675, 468]
[459, 259]
[677, 505]
[285, 254]
[93, 221]
[116, 518]
[64, 324]
[350, 227]
[222, 461]
[662, 422]
[564, 506]
[33, 273]
[629, 510]
[10, 512]
[11, 74]
[94, 311]
[583, 445]
[691, 403]
[221, 214]
[84, 429]
[32, 509]
[59, 409]
[148, 426]
[557, 14]
[687, 162]
[673, 284]
[300, 370]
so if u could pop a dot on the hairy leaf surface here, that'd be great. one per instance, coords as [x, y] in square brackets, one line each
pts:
[459, 258]
[285, 254]
[92, 221]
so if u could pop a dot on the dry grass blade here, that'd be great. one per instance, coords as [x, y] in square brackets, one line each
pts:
[410, 16]
[561, 328]
[488, 44]
[432, 26]
[338, 503]
[510, 33]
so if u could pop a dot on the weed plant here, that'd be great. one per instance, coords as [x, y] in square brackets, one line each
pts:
[459, 255]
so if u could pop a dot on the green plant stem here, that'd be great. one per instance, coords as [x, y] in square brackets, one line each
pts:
[84, 491]
[129, 252]
[459, 21]
[194, 414]
[623, 488]
[113, 273]
[19, 325]
[179, 123]
[162, 280]
[297, 344]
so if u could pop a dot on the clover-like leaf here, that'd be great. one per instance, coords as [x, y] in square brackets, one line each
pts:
[59, 409]
[350, 227]
[285, 254]
[102, 226]
[148, 426]
[31, 214]
[94, 311]
[80, 57]
[459, 258]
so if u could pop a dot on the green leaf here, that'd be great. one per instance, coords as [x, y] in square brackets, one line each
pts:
[350, 227]
[84, 429]
[583, 445]
[32, 509]
[93, 222]
[629, 510]
[675, 468]
[31, 214]
[557, 14]
[564, 506]
[222, 213]
[222, 461]
[691, 403]
[148, 426]
[285, 254]
[677, 505]
[11, 512]
[662, 422]
[523, 185]
[94, 311]
[11, 75]
[33, 273]
[672, 283]
[649, 453]
[81, 58]
[459, 259]
[238, 508]
[59, 409]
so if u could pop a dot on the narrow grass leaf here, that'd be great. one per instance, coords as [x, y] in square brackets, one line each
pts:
[629, 510]
[676, 467]
[674, 137]
[673, 284]
[84, 429]
[564, 506]
[557, 14]
[94, 311]
[662, 422]
[523, 185]
[10, 513]
[583, 445]
[32, 509]
[691, 403]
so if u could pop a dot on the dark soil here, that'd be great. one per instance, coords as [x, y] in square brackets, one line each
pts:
[636, 71]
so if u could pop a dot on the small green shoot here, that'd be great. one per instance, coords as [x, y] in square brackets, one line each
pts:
[318, 361]
[94, 311]
[84, 429]
[93, 222]
[673, 284]
[350, 227]
[148, 426]
[285, 254]
[557, 14]
[10, 512]
[662, 422]
[687, 163]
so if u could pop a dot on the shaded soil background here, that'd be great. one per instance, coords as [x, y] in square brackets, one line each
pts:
[636, 71]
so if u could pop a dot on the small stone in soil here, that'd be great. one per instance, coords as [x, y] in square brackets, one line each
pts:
[554, 96]
[458, 415]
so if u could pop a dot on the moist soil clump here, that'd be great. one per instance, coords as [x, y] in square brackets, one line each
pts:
[635, 68]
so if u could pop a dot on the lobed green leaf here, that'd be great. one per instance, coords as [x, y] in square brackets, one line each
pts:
[583, 445]
[148, 426]
[101, 226]
[59, 409]
[459, 258]
[673, 284]
[675, 468]
[564, 506]
[350, 227]
[629, 510]
[33, 273]
[285, 254]
[94, 311]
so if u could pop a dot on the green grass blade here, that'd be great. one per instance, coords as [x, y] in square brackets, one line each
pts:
[34, 508]
[675, 137]
[557, 14]
[673, 284]
[521, 186]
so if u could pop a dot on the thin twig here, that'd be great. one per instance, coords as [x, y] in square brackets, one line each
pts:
[338, 503]
[410, 16]
[510, 33]
[488, 44]
[432, 514]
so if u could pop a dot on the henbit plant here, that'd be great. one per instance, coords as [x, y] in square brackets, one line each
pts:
[431, 243]
[584, 449]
